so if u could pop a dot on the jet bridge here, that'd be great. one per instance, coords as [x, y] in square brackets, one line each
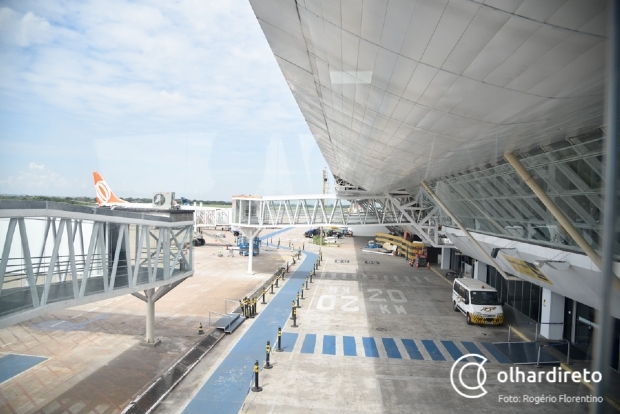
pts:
[56, 256]
[416, 213]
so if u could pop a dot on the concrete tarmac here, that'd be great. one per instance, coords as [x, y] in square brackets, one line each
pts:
[93, 359]
[378, 336]
[375, 336]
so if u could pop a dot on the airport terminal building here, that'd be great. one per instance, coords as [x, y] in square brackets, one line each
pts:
[472, 101]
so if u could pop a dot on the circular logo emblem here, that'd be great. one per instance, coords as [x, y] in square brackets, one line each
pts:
[103, 191]
[464, 389]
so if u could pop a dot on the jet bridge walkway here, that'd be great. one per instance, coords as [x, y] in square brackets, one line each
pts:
[56, 256]
[416, 213]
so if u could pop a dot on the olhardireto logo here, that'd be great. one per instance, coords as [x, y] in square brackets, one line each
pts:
[467, 390]
[556, 375]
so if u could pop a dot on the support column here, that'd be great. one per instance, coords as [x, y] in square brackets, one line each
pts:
[445, 258]
[150, 316]
[250, 233]
[480, 271]
[552, 311]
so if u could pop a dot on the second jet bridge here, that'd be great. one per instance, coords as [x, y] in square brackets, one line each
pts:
[417, 214]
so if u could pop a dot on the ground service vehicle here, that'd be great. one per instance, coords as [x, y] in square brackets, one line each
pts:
[312, 232]
[478, 301]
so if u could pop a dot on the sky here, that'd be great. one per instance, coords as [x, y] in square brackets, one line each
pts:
[158, 95]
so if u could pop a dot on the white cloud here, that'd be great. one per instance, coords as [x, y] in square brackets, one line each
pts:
[23, 30]
[141, 76]
[35, 181]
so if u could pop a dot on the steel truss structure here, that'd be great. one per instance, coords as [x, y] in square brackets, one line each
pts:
[56, 256]
[495, 200]
[211, 217]
[418, 214]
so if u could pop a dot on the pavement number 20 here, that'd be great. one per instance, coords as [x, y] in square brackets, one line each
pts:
[328, 302]
[395, 295]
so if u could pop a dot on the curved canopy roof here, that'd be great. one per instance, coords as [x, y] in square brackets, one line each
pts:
[399, 91]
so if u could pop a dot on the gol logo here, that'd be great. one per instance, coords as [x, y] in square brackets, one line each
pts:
[464, 389]
[488, 308]
[103, 191]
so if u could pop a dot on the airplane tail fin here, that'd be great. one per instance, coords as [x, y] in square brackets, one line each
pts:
[104, 193]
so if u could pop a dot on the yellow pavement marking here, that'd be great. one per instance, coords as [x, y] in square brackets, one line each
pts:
[442, 276]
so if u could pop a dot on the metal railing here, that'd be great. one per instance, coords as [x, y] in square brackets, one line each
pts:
[540, 346]
[536, 329]
[236, 302]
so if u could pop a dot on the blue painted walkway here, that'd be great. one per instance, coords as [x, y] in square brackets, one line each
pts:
[12, 365]
[227, 388]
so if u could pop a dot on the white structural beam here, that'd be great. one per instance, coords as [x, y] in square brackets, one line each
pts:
[46, 266]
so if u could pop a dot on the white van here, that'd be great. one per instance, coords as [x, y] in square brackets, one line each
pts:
[478, 301]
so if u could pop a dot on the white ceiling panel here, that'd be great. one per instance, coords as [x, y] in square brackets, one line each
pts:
[395, 90]
[361, 93]
[512, 35]
[331, 11]
[403, 107]
[352, 16]
[401, 75]
[563, 54]
[455, 19]
[373, 17]
[421, 78]
[575, 13]
[384, 65]
[543, 40]
[397, 19]
[424, 20]
[437, 88]
[389, 104]
[482, 29]
[567, 80]
[507, 5]
[456, 93]
[538, 10]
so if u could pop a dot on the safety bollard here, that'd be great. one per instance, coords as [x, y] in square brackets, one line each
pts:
[200, 331]
[267, 364]
[256, 388]
[292, 308]
[303, 246]
[306, 283]
[294, 318]
[272, 287]
[286, 267]
[298, 305]
[302, 290]
[293, 258]
[279, 348]
[254, 300]
[277, 278]
[311, 274]
[264, 296]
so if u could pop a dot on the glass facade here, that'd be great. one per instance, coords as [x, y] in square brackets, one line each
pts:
[496, 200]
[520, 294]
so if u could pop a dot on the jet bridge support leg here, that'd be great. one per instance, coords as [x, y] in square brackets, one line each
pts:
[150, 297]
[250, 233]
[150, 317]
